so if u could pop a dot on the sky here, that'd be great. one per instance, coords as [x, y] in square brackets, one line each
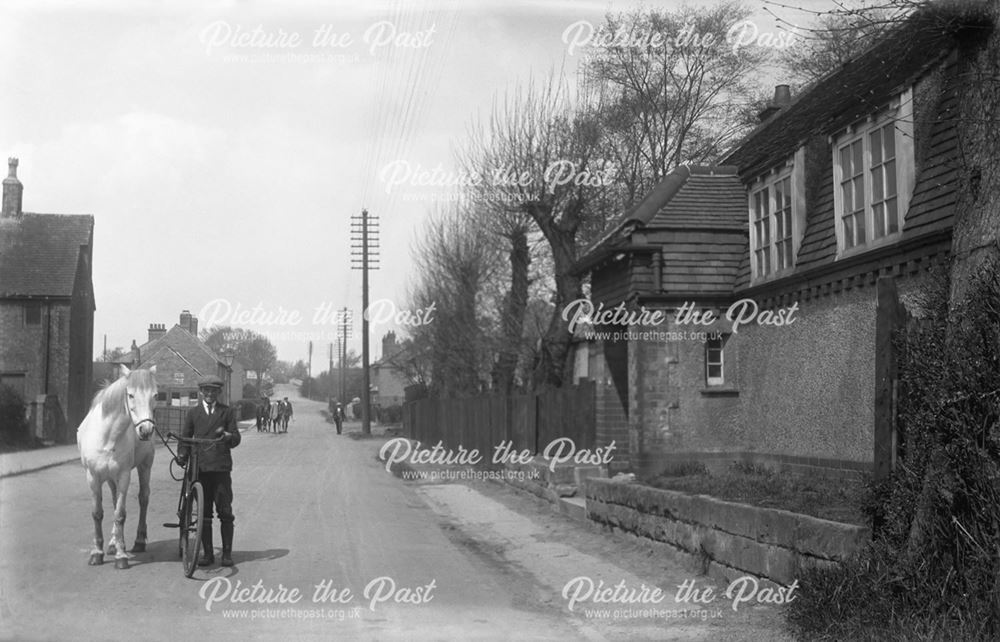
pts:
[223, 147]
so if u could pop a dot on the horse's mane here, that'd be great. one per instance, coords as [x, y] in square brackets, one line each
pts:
[110, 396]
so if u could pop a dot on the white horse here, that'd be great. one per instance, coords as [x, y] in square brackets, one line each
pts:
[113, 439]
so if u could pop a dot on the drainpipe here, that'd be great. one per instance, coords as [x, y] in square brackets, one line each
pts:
[48, 342]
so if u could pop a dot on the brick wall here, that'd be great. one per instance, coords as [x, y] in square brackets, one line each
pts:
[23, 350]
[610, 401]
[673, 412]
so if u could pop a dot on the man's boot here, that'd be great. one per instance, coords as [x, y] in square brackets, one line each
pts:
[208, 552]
[227, 543]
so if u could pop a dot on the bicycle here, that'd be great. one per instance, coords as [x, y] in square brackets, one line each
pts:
[191, 503]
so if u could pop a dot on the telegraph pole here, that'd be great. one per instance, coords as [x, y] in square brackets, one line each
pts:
[364, 234]
[345, 332]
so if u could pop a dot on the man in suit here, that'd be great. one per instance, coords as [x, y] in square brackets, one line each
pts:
[286, 414]
[338, 416]
[211, 419]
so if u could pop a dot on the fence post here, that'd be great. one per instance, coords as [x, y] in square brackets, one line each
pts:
[890, 315]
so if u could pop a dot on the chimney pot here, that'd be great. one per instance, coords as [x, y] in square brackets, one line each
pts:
[782, 95]
[782, 98]
[156, 330]
[13, 191]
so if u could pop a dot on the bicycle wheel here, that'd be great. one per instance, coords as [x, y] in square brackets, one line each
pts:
[182, 539]
[191, 524]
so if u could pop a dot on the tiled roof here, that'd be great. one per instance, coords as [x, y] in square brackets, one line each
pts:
[710, 198]
[39, 253]
[190, 348]
[860, 86]
[691, 197]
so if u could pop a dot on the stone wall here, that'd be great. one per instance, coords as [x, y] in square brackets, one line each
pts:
[732, 539]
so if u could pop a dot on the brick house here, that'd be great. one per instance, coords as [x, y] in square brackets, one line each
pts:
[388, 381]
[46, 312]
[181, 358]
[854, 179]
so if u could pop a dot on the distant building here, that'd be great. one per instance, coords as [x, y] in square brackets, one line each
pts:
[46, 311]
[388, 381]
[181, 358]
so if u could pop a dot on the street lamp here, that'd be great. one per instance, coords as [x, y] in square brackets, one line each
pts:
[227, 359]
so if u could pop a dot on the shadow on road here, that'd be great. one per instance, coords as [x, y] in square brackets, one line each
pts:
[167, 551]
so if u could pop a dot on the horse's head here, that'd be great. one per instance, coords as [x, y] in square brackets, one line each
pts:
[140, 399]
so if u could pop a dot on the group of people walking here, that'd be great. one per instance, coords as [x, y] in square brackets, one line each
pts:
[274, 416]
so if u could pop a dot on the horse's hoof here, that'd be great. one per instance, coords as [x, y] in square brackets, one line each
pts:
[96, 559]
[138, 547]
[121, 563]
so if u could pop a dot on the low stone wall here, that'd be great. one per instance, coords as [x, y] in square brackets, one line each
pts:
[551, 483]
[733, 539]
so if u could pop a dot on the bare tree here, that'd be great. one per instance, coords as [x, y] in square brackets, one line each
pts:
[662, 106]
[549, 150]
[483, 157]
[835, 37]
[115, 354]
[252, 349]
[455, 260]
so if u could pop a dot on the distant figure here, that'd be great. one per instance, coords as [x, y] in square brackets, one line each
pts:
[286, 414]
[338, 417]
[275, 415]
[263, 413]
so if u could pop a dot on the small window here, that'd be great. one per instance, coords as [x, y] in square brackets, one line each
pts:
[161, 397]
[715, 366]
[175, 398]
[192, 398]
[33, 314]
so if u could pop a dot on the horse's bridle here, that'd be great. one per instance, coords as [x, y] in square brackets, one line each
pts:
[131, 417]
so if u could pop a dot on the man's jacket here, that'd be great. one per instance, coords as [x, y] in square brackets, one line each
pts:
[212, 457]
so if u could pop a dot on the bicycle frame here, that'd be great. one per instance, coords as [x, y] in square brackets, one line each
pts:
[190, 503]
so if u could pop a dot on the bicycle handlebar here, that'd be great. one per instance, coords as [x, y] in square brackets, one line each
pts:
[194, 440]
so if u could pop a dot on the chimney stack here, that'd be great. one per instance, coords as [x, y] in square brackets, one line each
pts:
[12, 191]
[782, 98]
[388, 344]
[185, 321]
[156, 330]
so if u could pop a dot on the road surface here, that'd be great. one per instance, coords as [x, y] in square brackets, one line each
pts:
[328, 545]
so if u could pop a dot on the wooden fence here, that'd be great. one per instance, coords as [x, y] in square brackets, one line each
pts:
[170, 418]
[529, 421]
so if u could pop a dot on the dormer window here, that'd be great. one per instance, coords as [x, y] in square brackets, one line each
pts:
[873, 176]
[777, 214]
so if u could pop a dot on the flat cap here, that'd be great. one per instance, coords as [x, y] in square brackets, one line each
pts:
[210, 381]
